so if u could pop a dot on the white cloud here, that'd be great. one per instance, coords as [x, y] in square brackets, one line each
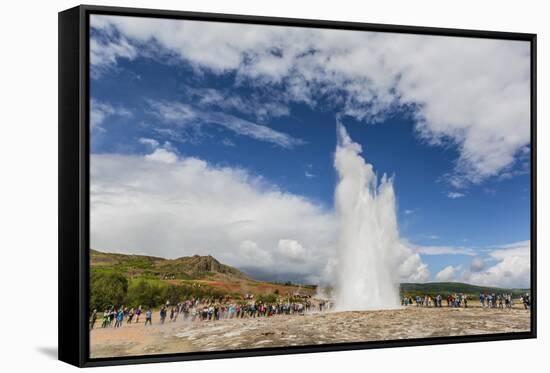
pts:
[455, 195]
[473, 93]
[152, 143]
[164, 205]
[165, 153]
[100, 111]
[251, 251]
[292, 249]
[308, 173]
[187, 117]
[412, 268]
[477, 264]
[261, 105]
[162, 155]
[442, 250]
[408, 212]
[228, 142]
[447, 274]
[105, 53]
[512, 267]
[168, 206]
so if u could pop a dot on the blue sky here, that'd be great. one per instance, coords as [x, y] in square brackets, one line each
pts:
[149, 95]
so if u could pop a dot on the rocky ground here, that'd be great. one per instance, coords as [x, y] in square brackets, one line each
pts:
[311, 329]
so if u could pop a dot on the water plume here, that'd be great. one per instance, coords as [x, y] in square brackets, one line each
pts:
[368, 242]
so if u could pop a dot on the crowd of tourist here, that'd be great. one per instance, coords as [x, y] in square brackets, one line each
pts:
[204, 310]
[452, 300]
[211, 310]
[500, 301]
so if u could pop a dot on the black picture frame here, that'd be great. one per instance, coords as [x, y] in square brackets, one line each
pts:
[74, 198]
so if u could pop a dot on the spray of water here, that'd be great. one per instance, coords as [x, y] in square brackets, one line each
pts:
[368, 241]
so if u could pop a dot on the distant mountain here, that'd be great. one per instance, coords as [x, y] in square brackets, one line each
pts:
[187, 267]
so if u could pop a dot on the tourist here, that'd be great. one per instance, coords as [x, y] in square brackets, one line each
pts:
[149, 317]
[105, 322]
[172, 313]
[93, 318]
[119, 318]
[112, 315]
[526, 301]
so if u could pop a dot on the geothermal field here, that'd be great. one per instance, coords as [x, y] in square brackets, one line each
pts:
[309, 329]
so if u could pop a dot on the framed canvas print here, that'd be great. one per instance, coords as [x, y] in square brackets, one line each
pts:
[237, 186]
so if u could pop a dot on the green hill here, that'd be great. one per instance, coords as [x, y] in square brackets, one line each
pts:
[133, 280]
[445, 288]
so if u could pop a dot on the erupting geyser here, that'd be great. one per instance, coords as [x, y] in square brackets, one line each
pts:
[368, 239]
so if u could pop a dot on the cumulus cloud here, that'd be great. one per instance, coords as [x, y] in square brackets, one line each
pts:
[165, 153]
[477, 264]
[447, 274]
[472, 93]
[511, 268]
[168, 206]
[412, 268]
[171, 206]
[162, 155]
[292, 249]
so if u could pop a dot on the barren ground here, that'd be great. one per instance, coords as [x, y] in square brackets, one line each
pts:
[311, 329]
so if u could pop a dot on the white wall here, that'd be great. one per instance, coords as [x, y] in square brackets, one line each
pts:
[28, 194]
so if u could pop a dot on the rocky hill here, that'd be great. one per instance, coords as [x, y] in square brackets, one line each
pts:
[187, 267]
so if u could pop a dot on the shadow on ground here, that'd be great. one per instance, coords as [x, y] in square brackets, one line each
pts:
[50, 352]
